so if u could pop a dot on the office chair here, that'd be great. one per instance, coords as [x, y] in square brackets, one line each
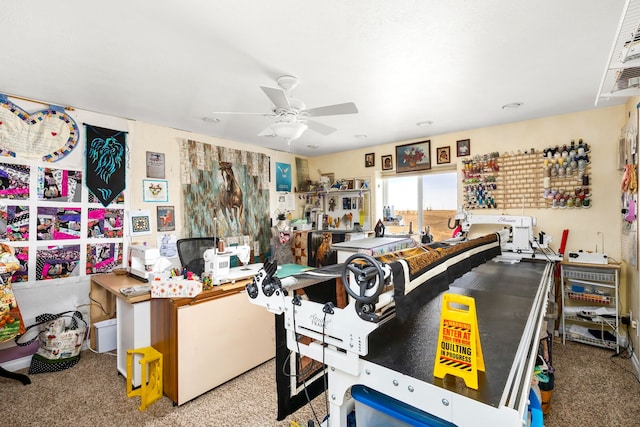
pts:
[191, 252]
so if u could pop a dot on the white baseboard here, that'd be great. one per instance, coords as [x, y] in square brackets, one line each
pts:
[17, 364]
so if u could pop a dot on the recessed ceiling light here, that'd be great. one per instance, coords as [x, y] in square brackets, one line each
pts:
[424, 123]
[360, 136]
[313, 146]
[212, 120]
[512, 106]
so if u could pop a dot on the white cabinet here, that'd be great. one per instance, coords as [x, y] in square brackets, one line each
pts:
[209, 340]
[133, 331]
[590, 311]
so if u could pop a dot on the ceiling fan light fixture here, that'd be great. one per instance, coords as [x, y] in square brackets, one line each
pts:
[289, 130]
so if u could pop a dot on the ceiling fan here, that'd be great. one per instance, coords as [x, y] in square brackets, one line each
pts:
[292, 117]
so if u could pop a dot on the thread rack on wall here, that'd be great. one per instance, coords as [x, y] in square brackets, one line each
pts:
[551, 178]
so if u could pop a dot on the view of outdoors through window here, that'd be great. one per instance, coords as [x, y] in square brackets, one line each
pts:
[417, 202]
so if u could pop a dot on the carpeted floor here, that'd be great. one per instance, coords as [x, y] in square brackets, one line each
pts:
[591, 389]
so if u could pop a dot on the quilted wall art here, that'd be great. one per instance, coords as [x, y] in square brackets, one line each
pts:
[106, 150]
[217, 185]
[48, 135]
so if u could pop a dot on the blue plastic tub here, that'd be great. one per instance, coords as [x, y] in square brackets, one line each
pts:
[374, 409]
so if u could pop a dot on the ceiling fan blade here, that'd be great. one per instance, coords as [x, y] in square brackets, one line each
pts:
[277, 96]
[333, 110]
[267, 132]
[319, 127]
[241, 114]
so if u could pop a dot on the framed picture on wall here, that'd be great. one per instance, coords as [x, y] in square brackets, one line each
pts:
[140, 222]
[166, 218]
[413, 157]
[463, 147]
[155, 190]
[155, 165]
[443, 155]
[369, 160]
[387, 162]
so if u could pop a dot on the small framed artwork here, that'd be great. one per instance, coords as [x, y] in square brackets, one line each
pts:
[155, 165]
[443, 155]
[155, 190]
[369, 160]
[166, 220]
[413, 157]
[140, 222]
[464, 147]
[387, 162]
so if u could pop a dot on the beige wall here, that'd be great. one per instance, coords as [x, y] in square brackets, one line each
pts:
[145, 137]
[600, 128]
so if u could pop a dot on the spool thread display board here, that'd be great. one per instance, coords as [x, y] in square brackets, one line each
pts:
[516, 181]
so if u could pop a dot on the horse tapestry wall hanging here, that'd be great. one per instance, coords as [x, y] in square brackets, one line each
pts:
[226, 192]
[230, 194]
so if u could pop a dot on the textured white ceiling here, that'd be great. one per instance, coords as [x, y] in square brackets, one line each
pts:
[453, 62]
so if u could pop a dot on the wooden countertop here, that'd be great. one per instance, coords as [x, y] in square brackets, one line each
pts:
[113, 283]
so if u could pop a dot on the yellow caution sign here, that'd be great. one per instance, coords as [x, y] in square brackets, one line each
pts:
[459, 352]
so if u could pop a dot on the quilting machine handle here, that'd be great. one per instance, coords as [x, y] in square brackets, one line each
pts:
[367, 281]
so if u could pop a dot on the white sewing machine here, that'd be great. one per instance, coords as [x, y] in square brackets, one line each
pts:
[218, 264]
[142, 260]
[517, 240]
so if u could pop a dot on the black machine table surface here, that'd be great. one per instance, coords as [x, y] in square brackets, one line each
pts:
[504, 295]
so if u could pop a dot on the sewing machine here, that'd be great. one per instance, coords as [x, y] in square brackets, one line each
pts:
[370, 342]
[517, 239]
[142, 261]
[218, 263]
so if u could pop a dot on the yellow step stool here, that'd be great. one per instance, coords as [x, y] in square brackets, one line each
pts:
[151, 363]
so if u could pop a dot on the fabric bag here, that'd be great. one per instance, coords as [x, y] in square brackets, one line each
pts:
[60, 343]
[11, 323]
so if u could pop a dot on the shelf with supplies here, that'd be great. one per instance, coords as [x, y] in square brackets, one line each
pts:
[347, 207]
[590, 307]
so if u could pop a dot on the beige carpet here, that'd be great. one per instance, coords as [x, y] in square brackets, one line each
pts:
[590, 390]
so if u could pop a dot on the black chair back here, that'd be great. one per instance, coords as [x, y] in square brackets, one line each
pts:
[191, 252]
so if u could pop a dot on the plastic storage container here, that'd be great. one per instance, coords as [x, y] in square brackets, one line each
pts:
[374, 409]
[106, 336]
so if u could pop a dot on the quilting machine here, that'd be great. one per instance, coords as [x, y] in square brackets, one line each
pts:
[517, 238]
[385, 336]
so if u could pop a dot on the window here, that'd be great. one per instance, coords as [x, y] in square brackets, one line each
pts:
[416, 202]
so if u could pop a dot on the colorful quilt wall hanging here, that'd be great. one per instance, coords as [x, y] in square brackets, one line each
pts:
[48, 135]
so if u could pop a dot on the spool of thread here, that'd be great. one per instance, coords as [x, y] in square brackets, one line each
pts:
[220, 245]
